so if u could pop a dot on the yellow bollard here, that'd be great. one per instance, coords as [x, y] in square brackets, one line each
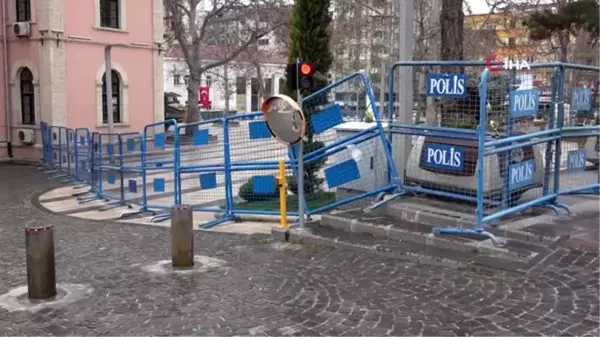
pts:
[282, 195]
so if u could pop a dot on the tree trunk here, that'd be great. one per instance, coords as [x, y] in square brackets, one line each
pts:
[227, 89]
[192, 114]
[261, 83]
[563, 39]
[451, 28]
[452, 22]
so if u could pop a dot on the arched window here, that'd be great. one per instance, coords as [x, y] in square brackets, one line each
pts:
[27, 97]
[116, 96]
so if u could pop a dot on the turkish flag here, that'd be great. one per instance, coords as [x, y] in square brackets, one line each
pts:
[203, 97]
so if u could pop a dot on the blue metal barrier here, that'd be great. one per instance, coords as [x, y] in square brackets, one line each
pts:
[95, 191]
[55, 147]
[82, 154]
[579, 173]
[203, 169]
[354, 158]
[227, 166]
[531, 165]
[46, 144]
[420, 175]
[484, 152]
[251, 164]
[158, 162]
[130, 163]
[111, 166]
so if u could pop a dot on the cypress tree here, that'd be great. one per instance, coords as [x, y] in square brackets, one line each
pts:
[310, 37]
[310, 42]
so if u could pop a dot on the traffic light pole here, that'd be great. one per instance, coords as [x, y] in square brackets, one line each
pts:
[300, 156]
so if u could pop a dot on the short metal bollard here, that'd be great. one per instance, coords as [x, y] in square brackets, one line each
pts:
[41, 272]
[182, 236]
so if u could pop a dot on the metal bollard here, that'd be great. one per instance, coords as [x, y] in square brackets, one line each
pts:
[41, 272]
[182, 236]
[282, 183]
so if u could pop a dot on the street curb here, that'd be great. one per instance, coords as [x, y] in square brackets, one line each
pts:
[305, 237]
[20, 162]
[258, 218]
[37, 204]
[432, 218]
[354, 226]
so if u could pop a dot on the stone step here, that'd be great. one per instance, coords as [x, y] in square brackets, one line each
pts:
[427, 213]
[415, 247]
[381, 224]
[413, 227]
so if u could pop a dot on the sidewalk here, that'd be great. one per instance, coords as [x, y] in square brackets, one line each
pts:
[62, 201]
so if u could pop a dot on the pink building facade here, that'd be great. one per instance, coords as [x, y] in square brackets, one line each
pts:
[52, 70]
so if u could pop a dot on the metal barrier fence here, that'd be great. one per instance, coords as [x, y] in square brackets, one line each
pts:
[45, 130]
[579, 143]
[130, 149]
[449, 90]
[201, 170]
[82, 154]
[520, 159]
[497, 139]
[344, 162]
[229, 166]
[503, 142]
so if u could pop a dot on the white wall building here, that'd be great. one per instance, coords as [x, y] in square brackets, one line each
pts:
[239, 78]
[235, 86]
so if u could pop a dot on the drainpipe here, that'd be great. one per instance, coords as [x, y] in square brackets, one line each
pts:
[6, 84]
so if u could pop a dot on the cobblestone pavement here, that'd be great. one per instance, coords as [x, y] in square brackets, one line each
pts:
[266, 290]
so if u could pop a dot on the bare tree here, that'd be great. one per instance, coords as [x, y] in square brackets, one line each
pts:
[480, 40]
[560, 46]
[229, 25]
[349, 36]
[278, 48]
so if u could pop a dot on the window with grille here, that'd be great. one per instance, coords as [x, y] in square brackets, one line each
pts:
[23, 8]
[116, 98]
[27, 97]
[110, 14]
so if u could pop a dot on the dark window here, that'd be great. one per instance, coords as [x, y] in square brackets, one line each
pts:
[23, 10]
[27, 97]
[109, 14]
[176, 79]
[240, 90]
[254, 104]
[268, 83]
[263, 42]
[116, 96]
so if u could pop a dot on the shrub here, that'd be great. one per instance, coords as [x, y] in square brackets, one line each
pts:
[312, 183]
[246, 192]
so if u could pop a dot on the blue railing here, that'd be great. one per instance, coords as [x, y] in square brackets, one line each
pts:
[227, 166]
[505, 155]
[515, 165]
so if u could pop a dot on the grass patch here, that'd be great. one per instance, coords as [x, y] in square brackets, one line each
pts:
[313, 201]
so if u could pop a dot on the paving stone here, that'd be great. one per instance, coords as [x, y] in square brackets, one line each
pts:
[264, 291]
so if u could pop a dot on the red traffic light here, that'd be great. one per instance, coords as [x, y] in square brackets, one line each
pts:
[306, 68]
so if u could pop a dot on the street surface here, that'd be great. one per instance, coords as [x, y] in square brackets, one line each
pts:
[266, 288]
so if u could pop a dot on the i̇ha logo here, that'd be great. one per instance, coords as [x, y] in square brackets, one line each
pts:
[494, 64]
